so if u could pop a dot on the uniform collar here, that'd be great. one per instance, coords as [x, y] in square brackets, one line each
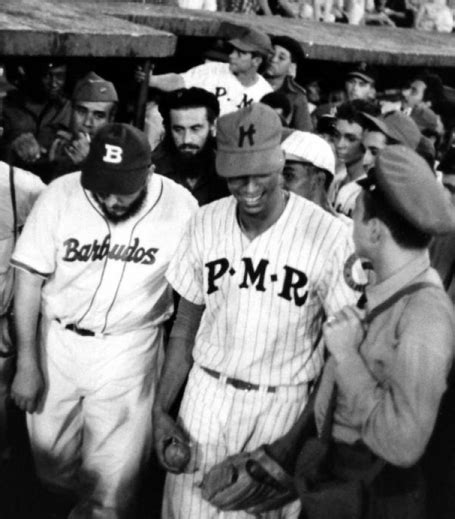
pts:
[377, 294]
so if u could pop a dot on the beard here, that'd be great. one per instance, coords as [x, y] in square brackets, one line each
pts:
[192, 160]
[129, 211]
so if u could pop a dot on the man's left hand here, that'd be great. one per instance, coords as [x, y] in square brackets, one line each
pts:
[344, 332]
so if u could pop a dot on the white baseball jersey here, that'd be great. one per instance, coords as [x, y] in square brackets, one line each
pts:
[265, 299]
[103, 277]
[27, 188]
[220, 81]
[346, 197]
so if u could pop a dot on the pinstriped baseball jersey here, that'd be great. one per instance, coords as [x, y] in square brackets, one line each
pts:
[266, 298]
[104, 277]
[231, 94]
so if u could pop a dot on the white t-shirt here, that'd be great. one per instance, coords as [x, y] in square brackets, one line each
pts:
[104, 277]
[219, 80]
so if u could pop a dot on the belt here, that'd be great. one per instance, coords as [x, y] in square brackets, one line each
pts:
[238, 384]
[80, 331]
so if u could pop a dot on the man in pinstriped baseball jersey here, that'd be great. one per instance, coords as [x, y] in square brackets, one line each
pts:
[258, 272]
[94, 251]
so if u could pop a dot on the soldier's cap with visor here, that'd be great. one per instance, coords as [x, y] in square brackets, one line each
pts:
[93, 88]
[407, 183]
[363, 71]
[252, 40]
[248, 142]
[118, 161]
[308, 147]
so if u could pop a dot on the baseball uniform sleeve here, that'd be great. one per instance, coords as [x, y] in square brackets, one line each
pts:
[203, 75]
[334, 291]
[36, 248]
[185, 271]
[28, 188]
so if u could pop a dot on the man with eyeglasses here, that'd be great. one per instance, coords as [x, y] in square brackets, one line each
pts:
[91, 260]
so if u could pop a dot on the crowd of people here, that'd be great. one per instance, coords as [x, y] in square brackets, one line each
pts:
[265, 266]
[424, 15]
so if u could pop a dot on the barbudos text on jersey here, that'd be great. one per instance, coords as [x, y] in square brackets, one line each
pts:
[75, 251]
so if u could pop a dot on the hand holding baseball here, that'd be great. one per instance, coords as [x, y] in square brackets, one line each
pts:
[171, 443]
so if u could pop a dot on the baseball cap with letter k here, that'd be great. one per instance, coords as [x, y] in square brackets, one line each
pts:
[248, 142]
[118, 161]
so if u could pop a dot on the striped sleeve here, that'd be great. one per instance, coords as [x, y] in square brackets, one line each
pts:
[185, 271]
[35, 250]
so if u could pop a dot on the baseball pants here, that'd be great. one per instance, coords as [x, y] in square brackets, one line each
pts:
[92, 436]
[222, 421]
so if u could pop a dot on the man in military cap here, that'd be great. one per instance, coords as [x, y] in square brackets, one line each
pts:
[257, 273]
[360, 82]
[91, 261]
[389, 363]
[93, 104]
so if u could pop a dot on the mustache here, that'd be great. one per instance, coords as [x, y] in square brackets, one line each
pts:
[184, 147]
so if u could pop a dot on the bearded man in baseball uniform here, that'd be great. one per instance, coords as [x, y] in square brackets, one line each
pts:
[235, 84]
[257, 272]
[92, 259]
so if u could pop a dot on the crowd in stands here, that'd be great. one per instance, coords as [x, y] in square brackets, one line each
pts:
[424, 15]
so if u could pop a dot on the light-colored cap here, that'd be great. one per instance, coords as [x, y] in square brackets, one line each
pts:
[308, 147]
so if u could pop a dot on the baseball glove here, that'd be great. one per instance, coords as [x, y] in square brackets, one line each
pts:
[250, 481]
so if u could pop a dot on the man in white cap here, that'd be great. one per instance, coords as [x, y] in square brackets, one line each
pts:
[257, 272]
[309, 168]
[91, 260]
[236, 84]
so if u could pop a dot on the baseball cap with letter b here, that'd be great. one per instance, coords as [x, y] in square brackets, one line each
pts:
[118, 161]
[248, 142]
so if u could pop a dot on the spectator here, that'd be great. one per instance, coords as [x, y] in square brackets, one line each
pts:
[94, 104]
[236, 84]
[434, 15]
[33, 114]
[309, 168]
[350, 125]
[360, 83]
[187, 153]
[280, 72]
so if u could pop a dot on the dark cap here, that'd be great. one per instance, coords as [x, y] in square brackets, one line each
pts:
[292, 46]
[398, 126]
[253, 41]
[408, 184]
[94, 88]
[248, 142]
[363, 71]
[118, 161]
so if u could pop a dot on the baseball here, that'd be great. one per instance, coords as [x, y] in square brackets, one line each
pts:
[177, 455]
